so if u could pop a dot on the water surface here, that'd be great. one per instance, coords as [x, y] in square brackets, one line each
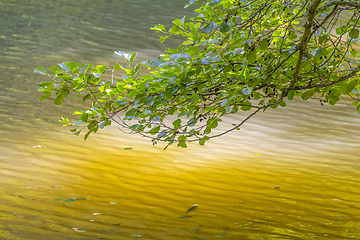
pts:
[288, 174]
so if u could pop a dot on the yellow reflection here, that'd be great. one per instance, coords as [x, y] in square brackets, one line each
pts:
[274, 179]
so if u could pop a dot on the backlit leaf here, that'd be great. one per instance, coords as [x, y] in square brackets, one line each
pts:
[58, 100]
[40, 70]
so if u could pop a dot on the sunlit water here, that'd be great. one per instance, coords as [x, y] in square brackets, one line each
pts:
[289, 173]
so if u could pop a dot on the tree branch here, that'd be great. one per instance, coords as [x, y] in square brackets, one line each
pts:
[350, 75]
[339, 3]
[302, 45]
[231, 129]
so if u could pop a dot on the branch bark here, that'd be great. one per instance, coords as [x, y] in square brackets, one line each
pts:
[304, 41]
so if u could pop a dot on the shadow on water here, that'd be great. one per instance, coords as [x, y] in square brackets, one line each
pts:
[288, 174]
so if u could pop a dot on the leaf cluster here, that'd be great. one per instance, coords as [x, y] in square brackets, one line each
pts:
[237, 56]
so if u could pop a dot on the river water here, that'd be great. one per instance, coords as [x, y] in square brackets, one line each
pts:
[288, 174]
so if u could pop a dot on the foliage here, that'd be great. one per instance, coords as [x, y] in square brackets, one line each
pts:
[237, 56]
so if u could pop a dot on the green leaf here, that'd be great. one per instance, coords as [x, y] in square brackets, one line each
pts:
[224, 28]
[77, 133]
[45, 96]
[191, 50]
[130, 113]
[137, 67]
[210, 27]
[191, 2]
[74, 67]
[87, 96]
[235, 109]
[224, 103]
[264, 44]
[177, 123]
[64, 119]
[150, 101]
[100, 69]
[202, 142]
[155, 130]
[282, 104]
[340, 30]
[58, 100]
[247, 90]
[194, 98]
[87, 135]
[79, 112]
[162, 134]
[350, 86]
[178, 22]
[182, 114]
[174, 29]
[274, 106]
[207, 130]
[133, 56]
[182, 144]
[85, 67]
[188, 5]
[358, 108]
[123, 54]
[354, 33]
[172, 110]
[55, 70]
[102, 125]
[308, 94]
[322, 39]
[213, 123]
[64, 66]
[77, 123]
[251, 56]
[319, 52]
[84, 117]
[256, 95]
[353, 53]
[163, 38]
[290, 95]
[93, 127]
[40, 70]
[247, 106]
[192, 122]
[118, 66]
[159, 27]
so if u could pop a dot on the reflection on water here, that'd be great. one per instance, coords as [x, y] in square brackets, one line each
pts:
[288, 174]
[287, 178]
